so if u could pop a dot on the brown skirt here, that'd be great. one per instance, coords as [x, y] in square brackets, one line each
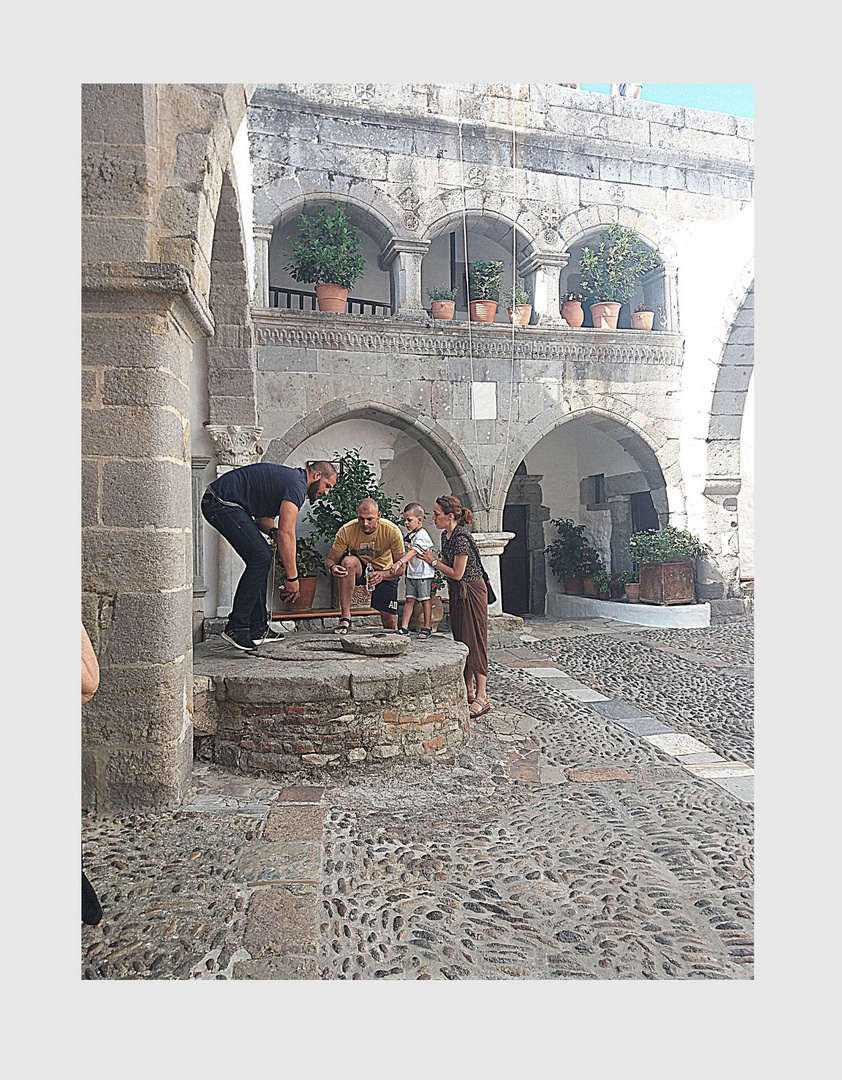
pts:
[469, 622]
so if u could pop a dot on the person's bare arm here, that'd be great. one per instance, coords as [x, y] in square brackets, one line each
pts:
[334, 558]
[285, 539]
[90, 668]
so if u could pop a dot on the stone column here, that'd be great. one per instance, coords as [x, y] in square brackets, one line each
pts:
[619, 507]
[490, 546]
[670, 313]
[403, 258]
[235, 445]
[541, 271]
[262, 239]
[139, 323]
[718, 575]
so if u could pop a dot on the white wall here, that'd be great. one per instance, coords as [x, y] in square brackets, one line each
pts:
[745, 499]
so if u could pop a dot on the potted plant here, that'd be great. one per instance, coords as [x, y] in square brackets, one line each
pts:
[615, 587]
[484, 278]
[326, 253]
[571, 309]
[443, 301]
[591, 565]
[356, 481]
[643, 317]
[308, 562]
[665, 559]
[628, 580]
[602, 584]
[567, 553]
[517, 301]
[610, 272]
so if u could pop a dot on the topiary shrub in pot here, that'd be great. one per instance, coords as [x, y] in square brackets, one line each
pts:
[484, 278]
[567, 554]
[609, 273]
[665, 559]
[516, 300]
[325, 253]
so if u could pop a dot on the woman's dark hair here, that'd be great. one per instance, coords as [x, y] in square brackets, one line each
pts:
[450, 505]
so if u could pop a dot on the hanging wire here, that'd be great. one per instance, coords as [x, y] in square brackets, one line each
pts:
[514, 283]
[486, 496]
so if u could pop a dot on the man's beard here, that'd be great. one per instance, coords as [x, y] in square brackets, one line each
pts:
[313, 491]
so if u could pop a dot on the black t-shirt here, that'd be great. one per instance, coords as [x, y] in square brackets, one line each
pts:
[260, 489]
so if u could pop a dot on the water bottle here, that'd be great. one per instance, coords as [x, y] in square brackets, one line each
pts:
[367, 573]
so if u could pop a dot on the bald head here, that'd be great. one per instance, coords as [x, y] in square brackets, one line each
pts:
[368, 515]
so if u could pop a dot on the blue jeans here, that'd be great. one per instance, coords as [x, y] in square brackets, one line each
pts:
[249, 610]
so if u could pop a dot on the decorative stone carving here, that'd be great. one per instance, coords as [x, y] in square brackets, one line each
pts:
[617, 194]
[235, 444]
[550, 217]
[408, 199]
[411, 220]
[366, 91]
[477, 177]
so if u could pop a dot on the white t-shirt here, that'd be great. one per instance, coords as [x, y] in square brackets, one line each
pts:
[421, 541]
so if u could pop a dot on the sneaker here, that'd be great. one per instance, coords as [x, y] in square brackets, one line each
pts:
[268, 635]
[240, 639]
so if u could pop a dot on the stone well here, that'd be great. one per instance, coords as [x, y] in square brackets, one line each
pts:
[306, 702]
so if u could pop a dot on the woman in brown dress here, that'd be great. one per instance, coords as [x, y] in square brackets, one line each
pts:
[460, 564]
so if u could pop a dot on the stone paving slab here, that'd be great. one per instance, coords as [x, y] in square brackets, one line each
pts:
[620, 710]
[280, 923]
[288, 860]
[291, 821]
[642, 727]
[674, 743]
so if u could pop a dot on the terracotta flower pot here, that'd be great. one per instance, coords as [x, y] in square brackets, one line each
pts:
[642, 320]
[571, 312]
[588, 587]
[443, 309]
[306, 594]
[603, 596]
[633, 592]
[605, 315]
[436, 614]
[574, 586]
[483, 310]
[520, 314]
[331, 298]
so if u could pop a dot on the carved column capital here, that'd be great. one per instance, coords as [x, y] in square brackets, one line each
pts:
[235, 444]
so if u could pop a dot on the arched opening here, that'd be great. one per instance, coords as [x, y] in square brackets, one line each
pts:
[490, 238]
[601, 474]
[650, 288]
[371, 294]
[400, 462]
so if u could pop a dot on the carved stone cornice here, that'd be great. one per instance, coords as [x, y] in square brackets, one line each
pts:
[722, 485]
[171, 280]
[302, 330]
[235, 444]
[398, 244]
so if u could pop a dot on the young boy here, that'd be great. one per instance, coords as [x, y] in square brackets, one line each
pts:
[419, 574]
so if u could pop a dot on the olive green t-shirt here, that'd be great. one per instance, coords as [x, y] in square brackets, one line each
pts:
[379, 549]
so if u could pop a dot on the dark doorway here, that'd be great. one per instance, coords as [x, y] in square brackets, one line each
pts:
[514, 562]
[643, 512]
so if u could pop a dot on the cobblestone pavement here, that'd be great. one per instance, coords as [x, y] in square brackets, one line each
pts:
[598, 826]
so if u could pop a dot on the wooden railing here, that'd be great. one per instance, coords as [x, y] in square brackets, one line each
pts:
[295, 299]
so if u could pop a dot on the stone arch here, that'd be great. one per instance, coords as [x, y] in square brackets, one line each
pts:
[439, 444]
[592, 219]
[231, 351]
[646, 446]
[482, 219]
[365, 207]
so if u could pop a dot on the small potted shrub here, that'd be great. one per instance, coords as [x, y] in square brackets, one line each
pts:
[643, 317]
[484, 278]
[571, 309]
[665, 559]
[602, 584]
[517, 301]
[609, 273]
[628, 580]
[591, 565]
[308, 563]
[443, 301]
[567, 553]
[325, 253]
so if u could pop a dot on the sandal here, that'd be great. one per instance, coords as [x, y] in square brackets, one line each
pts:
[403, 630]
[484, 706]
[343, 626]
[425, 632]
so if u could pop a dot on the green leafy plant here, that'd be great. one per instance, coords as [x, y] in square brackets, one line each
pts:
[610, 272]
[484, 278]
[308, 562]
[572, 298]
[628, 577]
[516, 295]
[356, 482]
[602, 581]
[441, 292]
[665, 545]
[326, 249]
[438, 582]
[571, 552]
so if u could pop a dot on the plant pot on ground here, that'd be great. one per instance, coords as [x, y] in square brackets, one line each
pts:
[627, 580]
[568, 554]
[442, 301]
[484, 279]
[602, 584]
[325, 253]
[308, 562]
[665, 561]
[609, 273]
[516, 300]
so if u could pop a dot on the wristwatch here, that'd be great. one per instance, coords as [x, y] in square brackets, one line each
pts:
[434, 563]
[292, 578]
